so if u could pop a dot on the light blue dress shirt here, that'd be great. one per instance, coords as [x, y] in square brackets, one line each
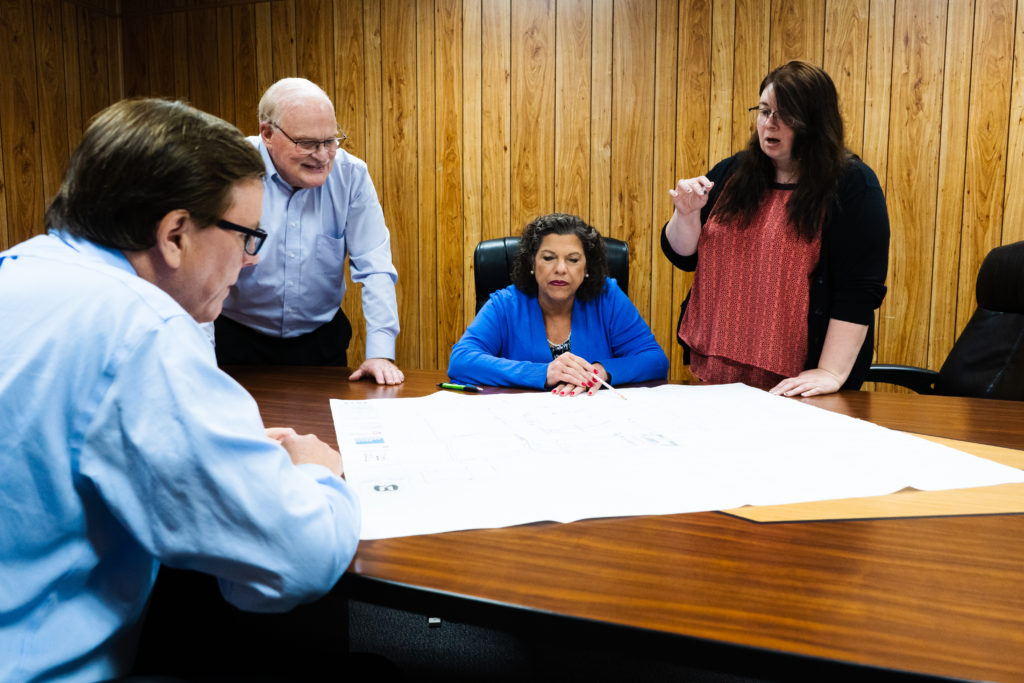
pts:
[507, 345]
[299, 282]
[123, 446]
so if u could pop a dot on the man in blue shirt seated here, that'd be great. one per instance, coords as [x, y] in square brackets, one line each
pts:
[319, 205]
[122, 445]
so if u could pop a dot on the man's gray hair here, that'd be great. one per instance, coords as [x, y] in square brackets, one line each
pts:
[282, 94]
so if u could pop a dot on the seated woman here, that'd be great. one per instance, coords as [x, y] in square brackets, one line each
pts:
[562, 324]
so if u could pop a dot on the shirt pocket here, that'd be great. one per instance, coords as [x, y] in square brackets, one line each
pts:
[330, 254]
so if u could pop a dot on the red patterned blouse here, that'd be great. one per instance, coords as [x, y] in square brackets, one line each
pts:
[746, 320]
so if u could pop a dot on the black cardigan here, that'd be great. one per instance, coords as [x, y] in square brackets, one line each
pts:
[849, 281]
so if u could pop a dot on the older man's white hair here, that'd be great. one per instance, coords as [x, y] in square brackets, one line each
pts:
[286, 93]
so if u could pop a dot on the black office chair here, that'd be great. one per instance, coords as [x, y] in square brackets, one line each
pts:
[987, 360]
[493, 259]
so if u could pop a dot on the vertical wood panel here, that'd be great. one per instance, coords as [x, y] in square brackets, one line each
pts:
[225, 66]
[139, 33]
[878, 87]
[314, 29]
[19, 116]
[373, 107]
[93, 65]
[52, 100]
[263, 47]
[283, 37]
[180, 54]
[448, 86]
[72, 78]
[159, 41]
[472, 142]
[533, 97]
[796, 31]
[753, 19]
[495, 113]
[952, 163]
[632, 140]
[693, 135]
[369, 139]
[665, 85]
[917, 65]
[986, 144]
[723, 39]
[5, 240]
[601, 116]
[845, 60]
[204, 85]
[398, 57]
[347, 89]
[247, 90]
[347, 96]
[426, 108]
[1013, 197]
[572, 107]
[115, 55]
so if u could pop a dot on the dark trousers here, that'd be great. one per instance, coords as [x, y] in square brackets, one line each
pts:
[238, 344]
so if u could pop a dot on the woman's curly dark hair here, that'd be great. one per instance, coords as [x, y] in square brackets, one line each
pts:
[561, 224]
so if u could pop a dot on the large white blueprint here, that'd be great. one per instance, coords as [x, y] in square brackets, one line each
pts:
[449, 461]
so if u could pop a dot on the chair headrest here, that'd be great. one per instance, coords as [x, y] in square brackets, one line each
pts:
[1000, 285]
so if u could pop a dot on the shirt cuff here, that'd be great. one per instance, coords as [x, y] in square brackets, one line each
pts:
[380, 345]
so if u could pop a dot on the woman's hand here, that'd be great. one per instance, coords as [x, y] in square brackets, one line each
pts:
[842, 344]
[809, 383]
[571, 375]
[683, 228]
[691, 194]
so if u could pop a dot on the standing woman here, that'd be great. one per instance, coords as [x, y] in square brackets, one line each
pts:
[793, 239]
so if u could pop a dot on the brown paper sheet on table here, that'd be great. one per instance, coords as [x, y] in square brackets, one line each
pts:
[985, 500]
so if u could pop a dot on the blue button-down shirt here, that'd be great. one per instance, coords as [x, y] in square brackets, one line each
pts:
[299, 282]
[123, 446]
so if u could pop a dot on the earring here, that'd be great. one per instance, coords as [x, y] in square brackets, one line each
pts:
[531, 272]
[587, 275]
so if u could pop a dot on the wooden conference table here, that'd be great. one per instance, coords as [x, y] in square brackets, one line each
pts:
[846, 599]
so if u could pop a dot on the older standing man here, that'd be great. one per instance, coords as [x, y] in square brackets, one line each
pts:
[122, 445]
[319, 205]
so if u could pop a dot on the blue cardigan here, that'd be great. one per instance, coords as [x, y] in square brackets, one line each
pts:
[506, 344]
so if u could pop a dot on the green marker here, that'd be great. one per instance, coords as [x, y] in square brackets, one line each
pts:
[459, 387]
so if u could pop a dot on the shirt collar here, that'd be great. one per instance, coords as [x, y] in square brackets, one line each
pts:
[109, 255]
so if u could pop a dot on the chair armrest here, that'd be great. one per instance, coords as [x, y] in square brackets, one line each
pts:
[917, 379]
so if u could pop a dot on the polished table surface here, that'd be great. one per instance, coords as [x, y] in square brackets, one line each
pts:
[938, 596]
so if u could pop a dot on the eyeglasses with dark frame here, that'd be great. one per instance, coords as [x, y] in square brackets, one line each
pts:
[254, 237]
[311, 146]
[765, 114]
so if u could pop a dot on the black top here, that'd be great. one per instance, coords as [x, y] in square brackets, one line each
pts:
[849, 281]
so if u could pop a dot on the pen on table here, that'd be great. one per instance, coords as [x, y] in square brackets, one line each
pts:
[459, 387]
[609, 387]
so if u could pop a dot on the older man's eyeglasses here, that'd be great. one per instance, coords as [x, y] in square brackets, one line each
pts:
[765, 114]
[254, 237]
[310, 146]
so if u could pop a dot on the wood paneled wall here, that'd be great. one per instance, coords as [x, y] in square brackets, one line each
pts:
[60, 63]
[476, 115]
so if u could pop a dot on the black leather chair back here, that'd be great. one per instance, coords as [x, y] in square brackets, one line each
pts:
[987, 359]
[493, 259]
